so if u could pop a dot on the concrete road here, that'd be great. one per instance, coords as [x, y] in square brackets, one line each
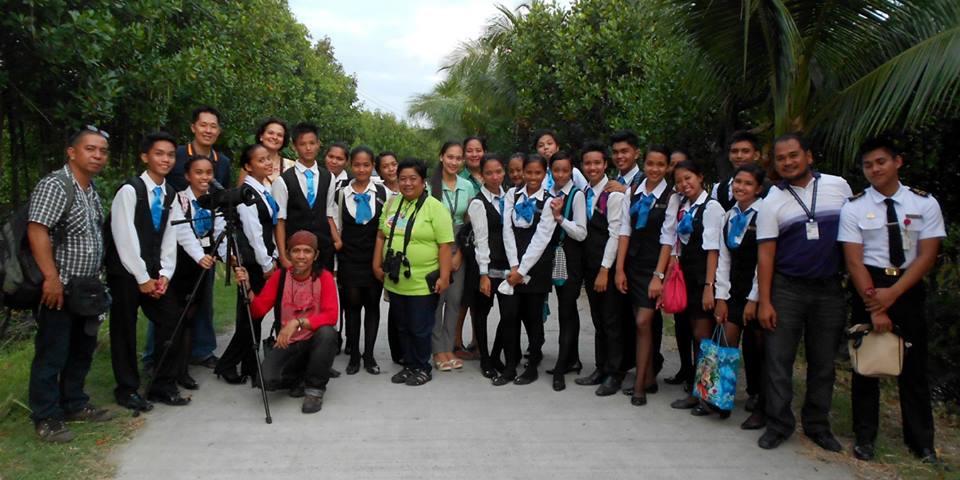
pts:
[457, 426]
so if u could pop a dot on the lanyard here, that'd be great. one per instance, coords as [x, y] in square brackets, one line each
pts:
[452, 206]
[811, 212]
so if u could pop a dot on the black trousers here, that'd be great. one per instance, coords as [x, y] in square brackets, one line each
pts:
[62, 356]
[240, 350]
[608, 331]
[163, 312]
[313, 356]
[482, 305]
[367, 300]
[529, 311]
[569, 318]
[907, 313]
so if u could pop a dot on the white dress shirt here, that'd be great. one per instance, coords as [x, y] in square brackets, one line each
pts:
[481, 233]
[576, 228]
[250, 219]
[614, 220]
[186, 235]
[540, 239]
[281, 195]
[712, 221]
[724, 264]
[626, 224]
[125, 234]
[345, 195]
[628, 177]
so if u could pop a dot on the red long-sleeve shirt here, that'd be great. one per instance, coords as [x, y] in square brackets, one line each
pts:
[315, 300]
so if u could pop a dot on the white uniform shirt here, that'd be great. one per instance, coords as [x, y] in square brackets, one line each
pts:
[250, 218]
[712, 221]
[186, 235]
[724, 264]
[125, 234]
[481, 231]
[863, 220]
[540, 239]
[576, 228]
[281, 195]
[345, 195]
[614, 219]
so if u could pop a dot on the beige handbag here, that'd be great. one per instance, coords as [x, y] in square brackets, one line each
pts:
[875, 354]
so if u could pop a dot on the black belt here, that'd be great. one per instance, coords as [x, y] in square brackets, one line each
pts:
[886, 271]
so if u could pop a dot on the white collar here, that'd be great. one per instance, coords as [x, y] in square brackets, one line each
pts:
[490, 196]
[249, 180]
[564, 190]
[371, 187]
[342, 175]
[303, 168]
[538, 195]
[628, 177]
[657, 191]
[598, 188]
[755, 205]
[700, 200]
[151, 184]
[878, 197]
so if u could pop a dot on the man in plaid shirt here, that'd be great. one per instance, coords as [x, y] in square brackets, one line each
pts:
[64, 350]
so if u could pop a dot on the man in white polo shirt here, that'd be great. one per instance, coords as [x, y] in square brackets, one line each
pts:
[800, 294]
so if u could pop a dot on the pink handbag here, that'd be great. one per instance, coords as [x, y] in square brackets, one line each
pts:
[674, 299]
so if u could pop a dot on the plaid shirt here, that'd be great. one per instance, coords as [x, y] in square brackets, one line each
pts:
[80, 254]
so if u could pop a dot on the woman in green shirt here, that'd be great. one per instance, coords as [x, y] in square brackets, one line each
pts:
[414, 271]
[455, 193]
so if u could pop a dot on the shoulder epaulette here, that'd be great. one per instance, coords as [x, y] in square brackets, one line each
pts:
[859, 195]
[919, 192]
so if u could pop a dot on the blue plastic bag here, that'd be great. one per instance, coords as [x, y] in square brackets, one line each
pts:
[717, 371]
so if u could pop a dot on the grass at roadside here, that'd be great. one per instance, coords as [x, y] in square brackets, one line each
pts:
[23, 456]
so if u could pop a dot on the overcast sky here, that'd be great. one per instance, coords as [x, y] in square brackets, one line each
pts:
[394, 48]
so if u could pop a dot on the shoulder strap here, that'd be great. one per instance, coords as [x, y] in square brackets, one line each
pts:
[278, 303]
[407, 233]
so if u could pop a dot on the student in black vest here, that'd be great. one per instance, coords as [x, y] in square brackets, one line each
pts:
[486, 219]
[256, 245]
[141, 256]
[569, 210]
[599, 255]
[357, 215]
[743, 149]
[194, 252]
[528, 240]
[737, 290]
[641, 262]
[305, 195]
[692, 229]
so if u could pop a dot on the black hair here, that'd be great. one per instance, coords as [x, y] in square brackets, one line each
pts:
[436, 181]
[266, 123]
[151, 138]
[628, 136]
[246, 155]
[681, 151]
[595, 146]
[744, 136]
[689, 165]
[786, 137]
[361, 149]
[882, 142]
[194, 158]
[83, 132]
[491, 157]
[540, 133]
[562, 155]
[534, 158]
[304, 128]
[483, 142]
[342, 146]
[758, 173]
[378, 158]
[195, 115]
[661, 149]
[414, 163]
[522, 156]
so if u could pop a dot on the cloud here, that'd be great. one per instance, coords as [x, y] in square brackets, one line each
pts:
[435, 30]
[332, 23]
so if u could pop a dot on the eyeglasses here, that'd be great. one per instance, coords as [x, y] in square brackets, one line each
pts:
[97, 131]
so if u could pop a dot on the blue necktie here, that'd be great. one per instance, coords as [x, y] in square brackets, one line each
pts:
[641, 208]
[500, 200]
[685, 227]
[590, 193]
[311, 192]
[156, 209]
[202, 220]
[549, 180]
[622, 180]
[273, 206]
[363, 208]
[526, 208]
[738, 224]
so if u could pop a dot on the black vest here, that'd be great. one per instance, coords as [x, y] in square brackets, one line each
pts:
[300, 216]
[643, 251]
[693, 258]
[743, 260]
[723, 194]
[498, 254]
[266, 222]
[355, 258]
[542, 272]
[573, 249]
[148, 238]
[597, 233]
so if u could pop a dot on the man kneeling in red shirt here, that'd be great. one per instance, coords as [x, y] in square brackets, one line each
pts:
[307, 308]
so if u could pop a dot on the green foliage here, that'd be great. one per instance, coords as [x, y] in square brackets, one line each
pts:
[383, 131]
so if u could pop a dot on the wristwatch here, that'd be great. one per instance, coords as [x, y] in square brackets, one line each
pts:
[659, 275]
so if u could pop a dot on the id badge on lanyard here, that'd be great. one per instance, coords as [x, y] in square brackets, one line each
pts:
[812, 226]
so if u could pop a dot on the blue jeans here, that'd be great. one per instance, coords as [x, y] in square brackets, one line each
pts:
[416, 316]
[63, 353]
[204, 339]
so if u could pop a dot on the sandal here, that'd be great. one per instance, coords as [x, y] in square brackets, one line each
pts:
[444, 366]
[456, 363]
[418, 378]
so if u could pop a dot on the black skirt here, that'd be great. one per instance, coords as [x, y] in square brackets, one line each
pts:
[638, 284]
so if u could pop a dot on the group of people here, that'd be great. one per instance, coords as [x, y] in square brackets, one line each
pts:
[318, 241]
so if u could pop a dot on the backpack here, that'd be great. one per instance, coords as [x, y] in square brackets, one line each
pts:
[21, 279]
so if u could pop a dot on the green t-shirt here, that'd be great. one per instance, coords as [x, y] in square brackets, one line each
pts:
[431, 227]
[457, 200]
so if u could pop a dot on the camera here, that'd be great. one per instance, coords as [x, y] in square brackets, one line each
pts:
[392, 263]
[220, 198]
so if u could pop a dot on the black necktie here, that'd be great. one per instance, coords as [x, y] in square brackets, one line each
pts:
[893, 230]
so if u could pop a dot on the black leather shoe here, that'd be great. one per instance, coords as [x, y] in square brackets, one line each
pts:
[595, 378]
[209, 362]
[186, 381]
[699, 411]
[232, 377]
[755, 421]
[770, 440]
[503, 379]
[312, 403]
[685, 403]
[751, 404]
[373, 369]
[609, 386]
[638, 401]
[826, 441]
[576, 367]
[135, 402]
[353, 368]
[863, 451]
[487, 370]
[677, 379]
[166, 398]
[928, 456]
[528, 376]
[559, 384]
